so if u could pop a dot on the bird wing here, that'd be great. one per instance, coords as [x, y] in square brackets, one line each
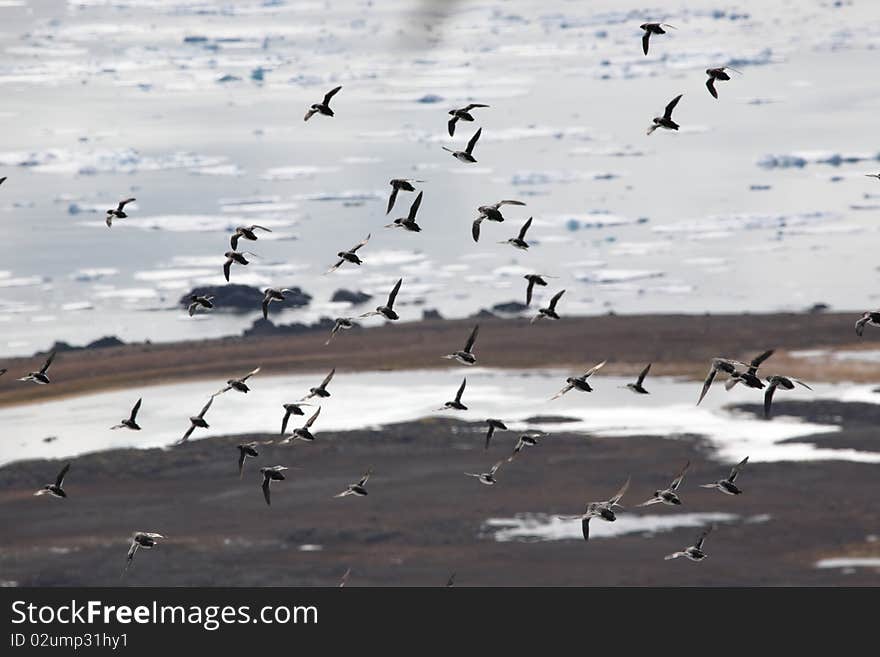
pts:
[508, 202]
[757, 360]
[391, 199]
[594, 369]
[123, 203]
[707, 383]
[249, 375]
[48, 363]
[188, 433]
[643, 374]
[330, 95]
[241, 458]
[585, 528]
[495, 467]
[555, 299]
[710, 85]
[285, 421]
[619, 494]
[702, 538]
[327, 378]
[233, 240]
[135, 409]
[460, 390]
[131, 551]
[768, 399]
[475, 230]
[679, 477]
[801, 383]
[489, 433]
[206, 407]
[60, 478]
[473, 142]
[525, 228]
[414, 208]
[564, 390]
[645, 40]
[529, 288]
[451, 125]
[474, 106]
[366, 477]
[309, 114]
[472, 338]
[363, 242]
[226, 267]
[254, 227]
[393, 295]
[312, 419]
[265, 304]
[335, 267]
[734, 471]
[667, 114]
[266, 493]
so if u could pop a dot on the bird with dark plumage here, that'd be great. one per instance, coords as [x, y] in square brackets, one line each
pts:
[466, 356]
[41, 377]
[397, 185]
[409, 222]
[271, 294]
[304, 432]
[118, 212]
[291, 409]
[238, 384]
[248, 450]
[750, 376]
[669, 495]
[321, 390]
[493, 426]
[461, 114]
[666, 121]
[197, 421]
[490, 213]
[340, 324]
[387, 311]
[717, 74]
[637, 387]
[456, 404]
[519, 241]
[359, 489]
[350, 255]
[652, 28]
[197, 301]
[727, 486]
[130, 422]
[235, 257]
[145, 540]
[55, 490]
[534, 279]
[777, 381]
[467, 155]
[246, 232]
[270, 474]
[529, 439]
[869, 318]
[550, 311]
[487, 478]
[694, 552]
[324, 106]
[579, 382]
[603, 510]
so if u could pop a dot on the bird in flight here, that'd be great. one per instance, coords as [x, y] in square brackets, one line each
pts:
[520, 240]
[869, 318]
[529, 439]
[271, 294]
[456, 404]
[291, 409]
[490, 213]
[387, 311]
[668, 495]
[637, 387]
[725, 365]
[321, 390]
[131, 421]
[467, 155]
[493, 425]
[238, 384]
[533, 280]
[304, 432]
[145, 540]
[118, 212]
[350, 255]
[652, 28]
[246, 232]
[236, 257]
[777, 381]
[466, 355]
[462, 114]
[487, 478]
[727, 486]
[40, 377]
[55, 490]
[323, 107]
[409, 222]
[579, 382]
[197, 421]
[603, 510]
[270, 474]
[550, 311]
[398, 184]
[359, 488]
[197, 301]
[750, 376]
[249, 450]
[340, 324]
[695, 551]
[716, 74]
[666, 121]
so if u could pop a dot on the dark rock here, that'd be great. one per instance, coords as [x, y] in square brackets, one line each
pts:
[243, 298]
[348, 296]
[106, 341]
[431, 313]
[484, 314]
[510, 308]
[817, 308]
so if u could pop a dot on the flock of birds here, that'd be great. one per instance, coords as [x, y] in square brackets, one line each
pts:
[737, 372]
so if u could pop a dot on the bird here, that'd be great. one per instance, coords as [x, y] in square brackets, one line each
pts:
[387, 311]
[750, 376]
[579, 382]
[467, 154]
[869, 318]
[144, 540]
[637, 387]
[520, 240]
[40, 377]
[291, 409]
[197, 302]
[249, 450]
[493, 425]
[55, 490]
[131, 421]
[409, 222]
[246, 232]
[603, 510]
[340, 324]
[525, 440]
[274, 473]
[3, 371]
[197, 421]
[462, 114]
[727, 486]
[324, 106]
[534, 279]
[451, 581]
[466, 356]
[455, 404]
[118, 212]
[235, 256]
[717, 74]
[359, 488]
[490, 213]
[397, 184]
[777, 381]
[238, 384]
[2, 180]
[873, 175]
[695, 551]
[350, 255]
[304, 432]
[666, 121]
[668, 495]
[550, 311]
[321, 390]
[725, 365]
[271, 294]
[652, 28]
[487, 478]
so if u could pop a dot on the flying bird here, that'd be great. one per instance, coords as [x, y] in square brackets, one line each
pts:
[694, 552]
[2, 180]
[246, 232]
[398, 184]
[534, 279]
[304, 432]
[750, 376]
[652, 28]
[235, 257]
[550, 311]
[487, 478]
[467, 154]
[321, 390]
[40, 377]
[274, 473]
[455, 404]
[248, 450]
[359, 488]
[520, 240]
[387, 311]
[341, 324]
[55, 490]
[131, 421]
[466, 355]
[869, 318]
[323, 107]
[579, 382]
[637, 387]
[668, 495]
[873, 175]
[238, 384]
[461, 114]
[197, 302]
[197, 421]
[493, 425]
[118, 212]
[409, 222]
[727, 486]
[344, 580]
[603, 510]
[490, 213]
[725, 365]
[145, 540]
[350, 255]
[271, 294]
[525, 440]
[291, 409]
[777, 381]
[666, 121]
[717, 74]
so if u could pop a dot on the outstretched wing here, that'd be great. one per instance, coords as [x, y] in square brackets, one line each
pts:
[473, 142]
[366, 477]
[508, 202]
[735, 470]
[249, 375]
[474, 106]
[667, 114]
[460, 390]
[679, 477]
[594, 369]
[585, 528]
[646, 38]
[643, 374]
[59, 480]
[710, 85]
[241, 458]
[123, 203]
[312, 419]
[206, 407]
[525, 228]
[707, 383]
[451, 125]
[472, 338]
[393, 295]
[564, 390]
[391, 199]
[134, 410]
[702, 538]
[328, 378]
[309, 114]
[555, 299]
[48, 363]
[414, 208]
[330, 95]
[266, 493]
[619, 494]
[529, 288]
[475, 230]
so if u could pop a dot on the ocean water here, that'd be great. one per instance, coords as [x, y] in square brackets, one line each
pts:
[195, 108]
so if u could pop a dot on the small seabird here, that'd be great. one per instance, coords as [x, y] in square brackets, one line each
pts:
[534, 279]
[291, 409]
[118, 212]
[40, 377]
[359, 488]
[323, 107]
[387, 311]
[873, 175]
[520, 240]
[271, 294]
[409, 222]
[455, 404]
[777, 381]
[695, 551]
[197, 421]
[238, 384]
[717, 74]
[529, 439]
[727, 486]
[490, 213]
[869, 318]
[197, 302]
[3, 371]
[750, 376]
[55, 490]
[350, 255]
[666, 121]
[467, 154]
[304, 432]
[637, 387]
[466, 355]
[493, 425]
[668, 495]
[235, 256]
[579, 382]
[461, 114]
[275, 473]
[249, 450]
[397, 184]
[321, 390]
[451, 581]
[341, 324]
[144, 540]
[550, 311]
[652, 28]
[725, 365]
[487, 478]
[246, 232]
[344, 580]
[131, 421]
[603, 510]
